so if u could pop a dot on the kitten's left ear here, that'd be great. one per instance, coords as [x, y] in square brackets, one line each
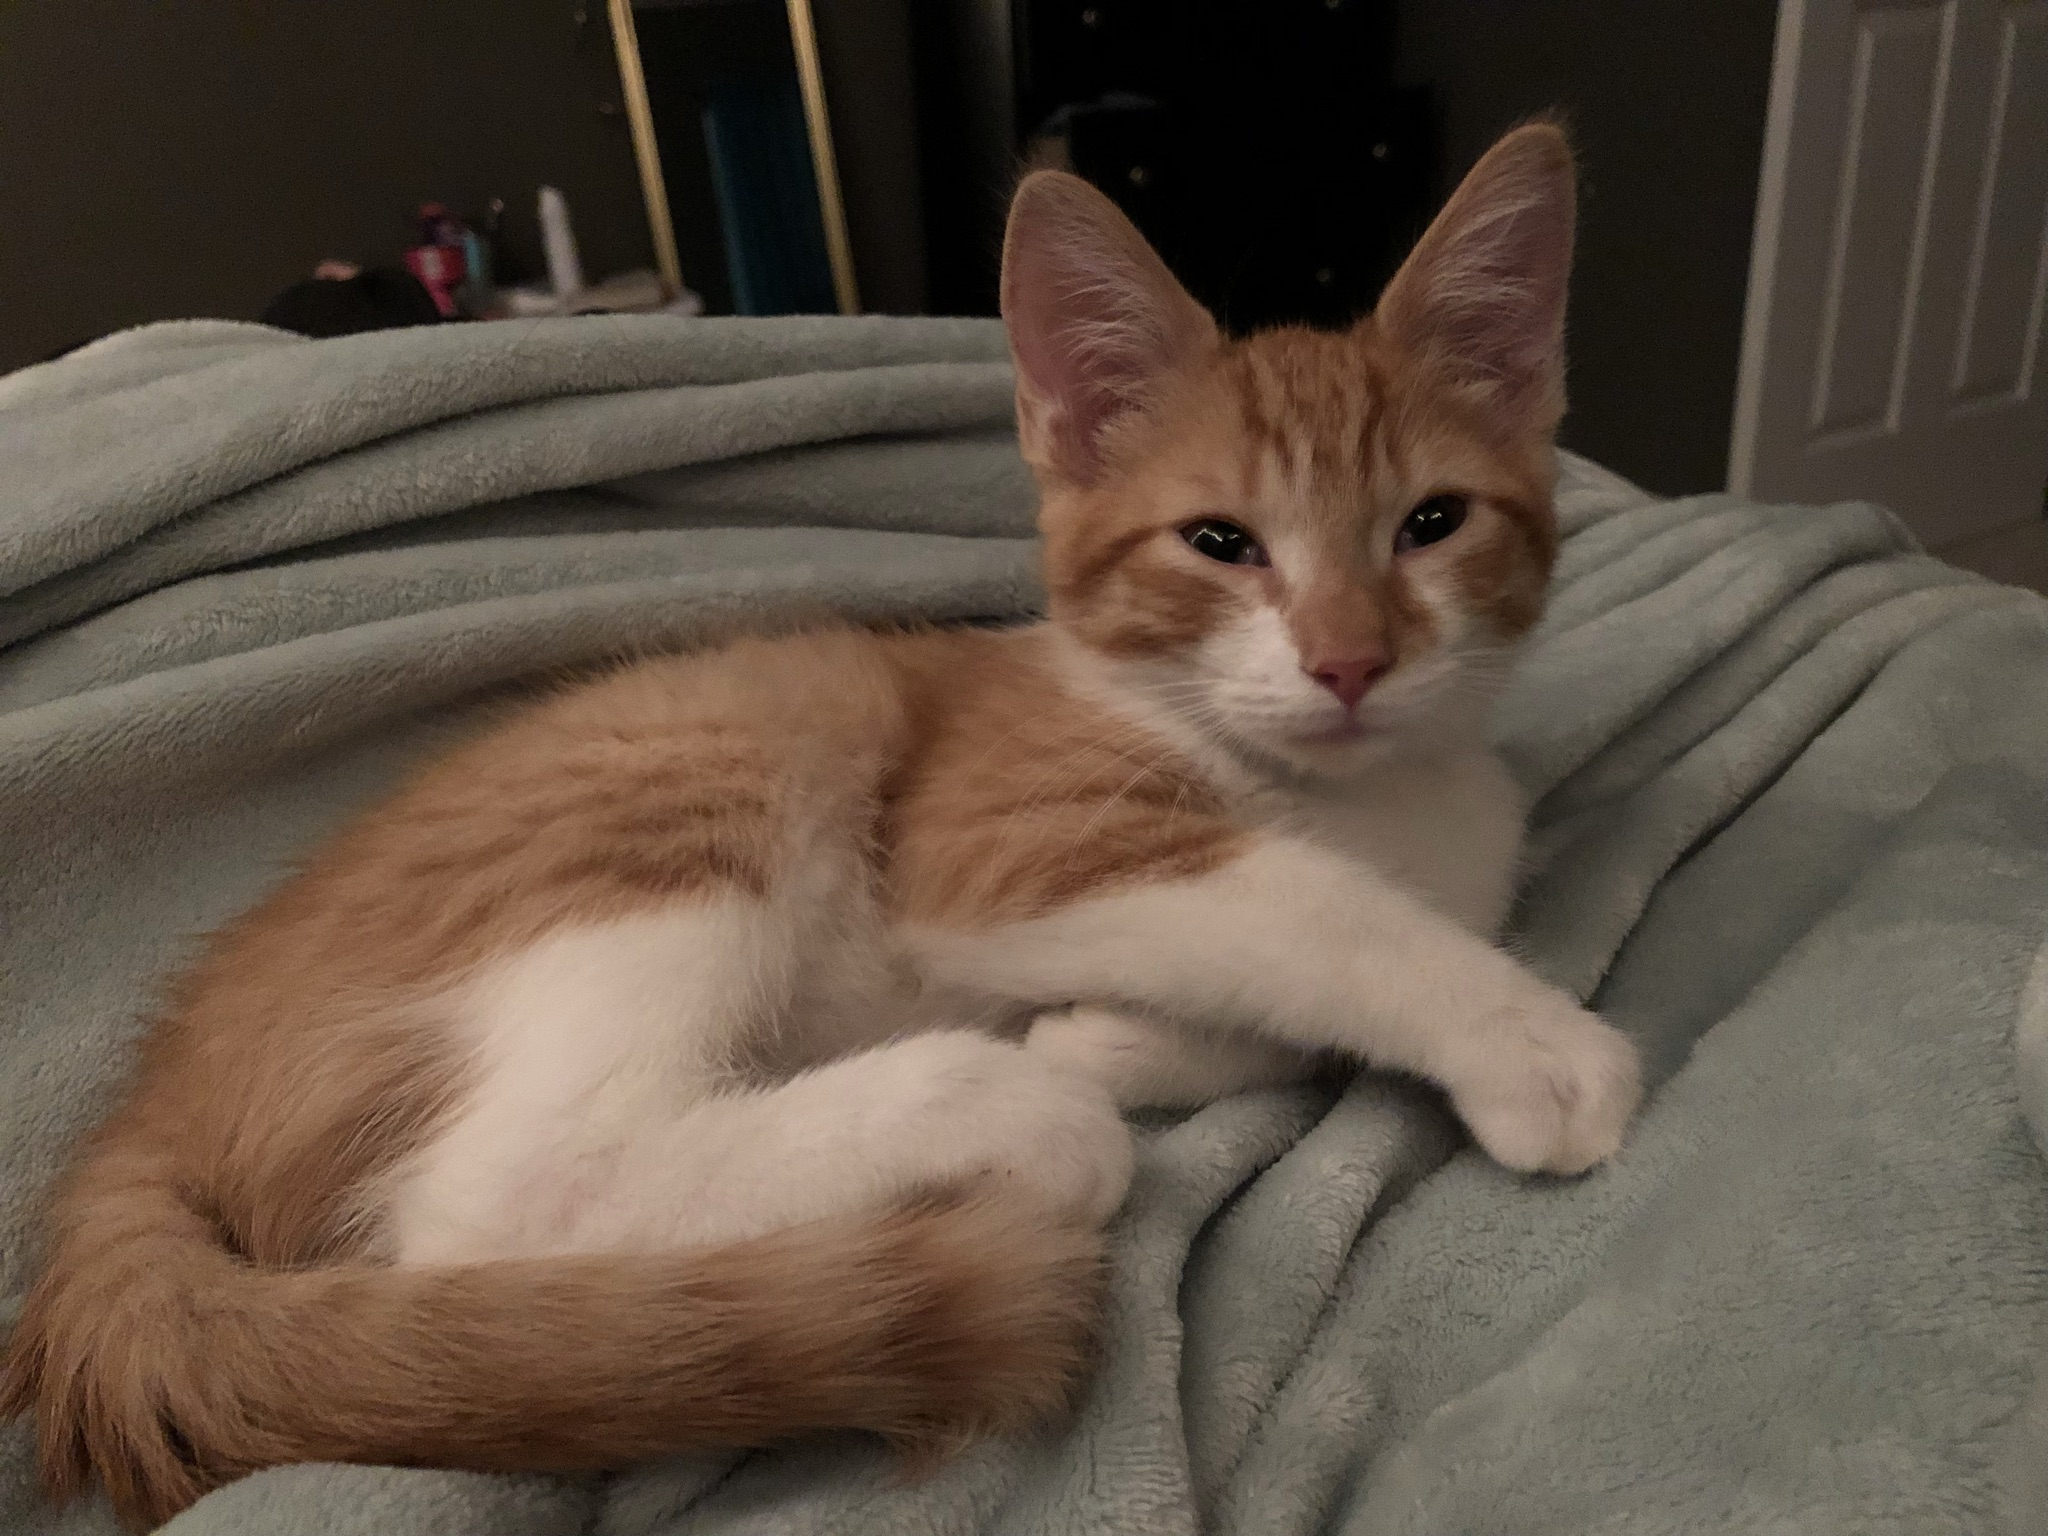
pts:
[1096, 321]
[1482, 296]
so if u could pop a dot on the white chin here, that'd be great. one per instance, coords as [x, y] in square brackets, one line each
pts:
[1331, 752]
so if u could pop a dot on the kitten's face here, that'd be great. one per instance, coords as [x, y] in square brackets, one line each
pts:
[1306, 552]
[1314, 549]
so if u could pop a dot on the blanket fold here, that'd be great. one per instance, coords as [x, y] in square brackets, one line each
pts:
[1790, 778]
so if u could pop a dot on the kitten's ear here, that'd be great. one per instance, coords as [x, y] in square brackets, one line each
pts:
[1482, 296]
[1096, 321]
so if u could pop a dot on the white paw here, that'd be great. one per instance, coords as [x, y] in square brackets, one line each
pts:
[993, 1109]
[1555, 1092]
[1096, 1043]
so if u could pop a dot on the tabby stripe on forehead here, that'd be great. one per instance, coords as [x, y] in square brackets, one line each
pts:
[1374, 429]
[1342, 454]
[1264, 431]
[1294, 406]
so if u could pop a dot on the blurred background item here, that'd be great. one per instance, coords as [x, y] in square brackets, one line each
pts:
[785, 156]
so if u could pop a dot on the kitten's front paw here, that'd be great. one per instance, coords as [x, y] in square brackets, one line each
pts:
[1100, 1044]
[1556, 1093]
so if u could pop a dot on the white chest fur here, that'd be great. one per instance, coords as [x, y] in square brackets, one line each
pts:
[1449, 828]
[1445, 825]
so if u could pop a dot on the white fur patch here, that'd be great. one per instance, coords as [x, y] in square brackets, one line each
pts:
[1258, 688]
[577, 1043]
[1301, 944]
[606, 1112]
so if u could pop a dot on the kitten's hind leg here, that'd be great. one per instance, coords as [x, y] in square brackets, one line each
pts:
[1146, 1063]
[867, 1131]
[862, 1133]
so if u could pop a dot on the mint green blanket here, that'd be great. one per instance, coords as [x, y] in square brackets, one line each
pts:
[1792, 832]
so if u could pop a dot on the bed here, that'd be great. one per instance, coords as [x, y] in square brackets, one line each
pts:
[1791, 831]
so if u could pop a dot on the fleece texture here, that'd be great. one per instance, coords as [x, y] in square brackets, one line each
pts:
[1791, 831]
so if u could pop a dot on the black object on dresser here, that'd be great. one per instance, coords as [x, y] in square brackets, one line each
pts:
[1261, 145]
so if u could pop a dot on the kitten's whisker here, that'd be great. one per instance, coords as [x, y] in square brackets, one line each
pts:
[1105, 808]
[1042, 794]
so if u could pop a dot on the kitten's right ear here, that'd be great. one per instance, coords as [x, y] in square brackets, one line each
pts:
[1096, 321]
[1482, 297]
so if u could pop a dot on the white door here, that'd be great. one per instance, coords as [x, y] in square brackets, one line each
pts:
[1891, 347]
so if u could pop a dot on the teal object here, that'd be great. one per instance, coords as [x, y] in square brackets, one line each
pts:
[760, 153]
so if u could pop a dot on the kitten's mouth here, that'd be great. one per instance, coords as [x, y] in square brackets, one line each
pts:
[1346, 730]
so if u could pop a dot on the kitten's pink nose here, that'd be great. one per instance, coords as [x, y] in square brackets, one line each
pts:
[1349, 679]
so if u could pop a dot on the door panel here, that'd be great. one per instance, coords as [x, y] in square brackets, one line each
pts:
[2008, 272]
[1881, 213]
[1891, 347]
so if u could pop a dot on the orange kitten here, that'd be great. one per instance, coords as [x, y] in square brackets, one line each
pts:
[733, 1046]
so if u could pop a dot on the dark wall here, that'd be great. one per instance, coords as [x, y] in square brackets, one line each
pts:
[865, 51]
[160, 160]
[961, 52]
[1666, 99]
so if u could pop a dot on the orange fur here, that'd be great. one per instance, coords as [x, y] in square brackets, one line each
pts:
[1364, 433]
[215, 1298]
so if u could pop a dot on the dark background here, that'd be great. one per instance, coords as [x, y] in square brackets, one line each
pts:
[165, 158]
[682, 47]
[1666, 100]
[169, 158]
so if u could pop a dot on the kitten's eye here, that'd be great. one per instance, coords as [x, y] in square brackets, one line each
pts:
[1227, 542]
[1436, 519]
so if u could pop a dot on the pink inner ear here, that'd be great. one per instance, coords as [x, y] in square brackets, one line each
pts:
[1484, 292]
[1497, 299]
[1072, 345]
[1094, 317]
